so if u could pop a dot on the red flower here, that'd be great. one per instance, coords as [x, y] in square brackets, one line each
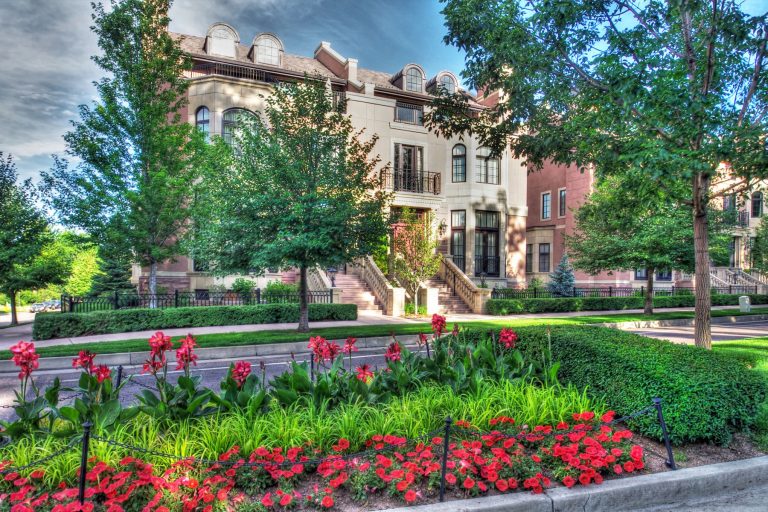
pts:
[102, 373]
[507, 337]
[160, 343]
[393, 352]
[422, 338]
[286, 500]
[342, 445]
[410, 496]
[240, 372]
[84, 360]
[327, 501]
[569, 481]
[455, 331]
[502, 485]
[349, 345]
[322, 349]
[25, 358]
[267, 500]
[468, 483]
[185, 355]
[364, 373]
[438, 324]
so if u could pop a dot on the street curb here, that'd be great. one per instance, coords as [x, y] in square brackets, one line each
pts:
[629, 493]
[681, 322]
[207, 354]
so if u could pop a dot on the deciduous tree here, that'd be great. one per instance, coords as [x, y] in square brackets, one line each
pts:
[297, 191]
[671, 88]
[137, 155]
[416, 256]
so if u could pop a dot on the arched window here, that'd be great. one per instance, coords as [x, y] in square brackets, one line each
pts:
[447, 83]
[231, 121]
[268, 50]
[459, 163]
[487, 167]
[757, 204]
[413, 80]
[222, 39]
[203, 121]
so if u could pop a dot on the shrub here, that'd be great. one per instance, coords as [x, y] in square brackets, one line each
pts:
[243, 286]
[519, 306]
[65, 325]
[706, 395]
[277, 291]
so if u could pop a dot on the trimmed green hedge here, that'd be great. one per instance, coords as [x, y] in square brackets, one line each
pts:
[67, 325]
[519, 306]
[706, 395]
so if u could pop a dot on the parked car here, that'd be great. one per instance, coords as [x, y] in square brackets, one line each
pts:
[52, 305]
[38, 307]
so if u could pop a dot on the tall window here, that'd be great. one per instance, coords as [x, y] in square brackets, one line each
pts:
[561, 203]
[664, 275]
[458, 237]
[544, 257]
[487, 167]
[757, 204]
[528, 258]
[459, 163]
[231, 121]
[447, 83]
[413, 80]
[729, 202]
[409, 113]
[546, 205]
[267, 51]
[487, 243]
[203, 121]
[641, 274]
[409, 168]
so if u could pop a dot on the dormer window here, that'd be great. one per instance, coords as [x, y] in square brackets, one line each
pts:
[447, 84]
[222, 40]
[413, 80]
[267, 49]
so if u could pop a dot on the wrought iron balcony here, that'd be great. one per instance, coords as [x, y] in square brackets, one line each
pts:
[420, 182]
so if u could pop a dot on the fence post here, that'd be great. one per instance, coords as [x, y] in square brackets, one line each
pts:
[535, 292]
[670, 456]
[119, 378]
[311, 367]
[330, 296]
[84, 461]
[176, 298]
[258, 295]
[117, 300]
[446, 449]
[71, 304]
[610, 291]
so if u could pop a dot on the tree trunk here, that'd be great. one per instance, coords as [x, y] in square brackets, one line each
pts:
[14, 316]
[702, 325]
[648, 308]
[153, 284]
[416, 301]
[303, 303]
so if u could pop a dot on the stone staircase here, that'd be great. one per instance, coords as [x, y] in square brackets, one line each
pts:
[448, 302]
[355, 291]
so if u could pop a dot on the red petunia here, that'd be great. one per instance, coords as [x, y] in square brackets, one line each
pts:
[410, 496]
[569, 481]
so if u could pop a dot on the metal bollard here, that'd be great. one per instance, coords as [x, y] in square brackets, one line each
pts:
[670, 456]
[119, 378]
[446, 449]
[84, 461]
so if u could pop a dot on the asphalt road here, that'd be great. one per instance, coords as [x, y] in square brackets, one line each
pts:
[720, 332]
[752, 499]
[212, 372]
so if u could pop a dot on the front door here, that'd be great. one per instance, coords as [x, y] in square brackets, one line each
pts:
[408, 167]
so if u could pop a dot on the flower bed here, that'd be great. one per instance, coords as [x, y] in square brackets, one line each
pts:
[504, 459]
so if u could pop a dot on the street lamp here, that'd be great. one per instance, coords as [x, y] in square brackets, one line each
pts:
[332, 274]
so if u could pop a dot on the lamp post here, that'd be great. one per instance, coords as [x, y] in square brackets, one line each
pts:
[332, 274]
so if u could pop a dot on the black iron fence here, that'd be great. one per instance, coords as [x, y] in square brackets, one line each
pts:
[179, 299]
[613, 291]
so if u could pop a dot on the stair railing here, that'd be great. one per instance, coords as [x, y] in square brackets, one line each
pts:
[461, 285]
[391, 298]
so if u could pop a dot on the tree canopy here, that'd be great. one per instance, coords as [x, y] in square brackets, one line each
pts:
[298, 190]
[673, 89]
[136, 154]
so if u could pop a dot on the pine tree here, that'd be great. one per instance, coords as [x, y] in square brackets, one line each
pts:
[115, 275]
[562, 280]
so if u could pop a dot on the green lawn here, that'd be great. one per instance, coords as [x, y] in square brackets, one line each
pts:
[287, 336]
[754, 352]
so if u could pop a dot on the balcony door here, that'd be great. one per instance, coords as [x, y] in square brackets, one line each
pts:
[409, 166]
[487, 243]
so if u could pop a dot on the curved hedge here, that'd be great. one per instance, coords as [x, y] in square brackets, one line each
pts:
[67, 325]
[561, 305]
[706, 395]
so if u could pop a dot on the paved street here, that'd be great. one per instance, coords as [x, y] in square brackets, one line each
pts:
[720, 332]
[754, 499]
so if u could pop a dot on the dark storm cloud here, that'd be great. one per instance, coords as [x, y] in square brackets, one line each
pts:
[47, 71]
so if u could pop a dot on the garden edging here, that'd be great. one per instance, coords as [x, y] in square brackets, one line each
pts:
[631, 493]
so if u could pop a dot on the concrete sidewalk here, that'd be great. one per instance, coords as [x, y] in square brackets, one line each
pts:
[10, 336]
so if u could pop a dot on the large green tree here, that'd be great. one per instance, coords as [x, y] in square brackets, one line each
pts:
[299, 190]
[672, 88]
[23, 231]
[618, 230]
[137, 155]
[760, 247]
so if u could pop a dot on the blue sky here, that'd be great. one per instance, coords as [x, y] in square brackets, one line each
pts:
[47, 45]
